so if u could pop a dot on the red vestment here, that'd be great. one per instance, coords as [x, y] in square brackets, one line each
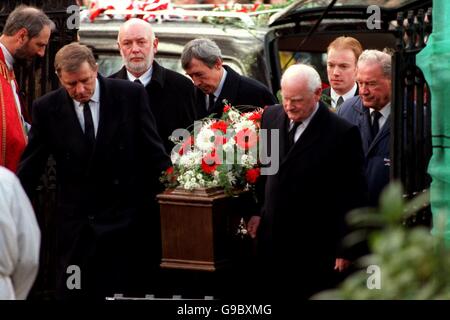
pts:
[12, 135]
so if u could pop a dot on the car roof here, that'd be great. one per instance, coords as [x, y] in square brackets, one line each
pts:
[241, 48]
[356, 9]
[102, 34]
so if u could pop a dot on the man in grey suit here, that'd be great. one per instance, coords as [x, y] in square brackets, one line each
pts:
[202, 61]
[370, 111]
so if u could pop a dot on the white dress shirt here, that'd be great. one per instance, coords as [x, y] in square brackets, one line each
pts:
[219, 88]
[384, 114]
[335, 96]
[302, 127]
[20, 239]
[144, 78]
[94, 104]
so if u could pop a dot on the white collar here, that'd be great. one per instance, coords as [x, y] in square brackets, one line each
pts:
[385, 111]
[144, 78]
[222, 81]
[349, 94]
[9, 59]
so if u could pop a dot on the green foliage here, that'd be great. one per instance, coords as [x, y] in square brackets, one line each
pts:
[413, 263]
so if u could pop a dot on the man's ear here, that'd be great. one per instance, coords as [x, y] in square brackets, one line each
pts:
[318, 93]
[22, 36]
[218, 64]
[155, 45]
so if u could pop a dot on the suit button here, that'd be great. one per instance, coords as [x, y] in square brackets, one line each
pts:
[116, 182]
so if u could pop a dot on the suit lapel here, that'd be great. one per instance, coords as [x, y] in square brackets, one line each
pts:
[109, 118]
[385, 130]
[122, 74]
[310, 135]
[229, 90]
[201, 104]
[281, 122]
[69, 123]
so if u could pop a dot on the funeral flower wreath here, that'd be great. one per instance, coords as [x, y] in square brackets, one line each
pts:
[217, 153]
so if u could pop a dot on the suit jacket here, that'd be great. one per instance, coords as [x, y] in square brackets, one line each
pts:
[377, 150]
[239, 91]
[306, 200]
[172, 100]
[107, 221]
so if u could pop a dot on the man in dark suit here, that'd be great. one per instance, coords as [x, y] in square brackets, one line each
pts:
[109, 157]
[342, 55]
[305, 201]
[215, 82]
[171, 95]
[370, 111]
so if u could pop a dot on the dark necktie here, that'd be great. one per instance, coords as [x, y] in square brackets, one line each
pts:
[376, 115]
[137, 81]
[89, 132]
[291, 135]
[339, 102]
[210, 101]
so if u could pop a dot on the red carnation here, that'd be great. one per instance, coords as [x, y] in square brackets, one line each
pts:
[226, 108]
[210, 162]
[255, 117]
[246, 138]
[169, 170]
[252, 175]
[220, 125]
[187, 145]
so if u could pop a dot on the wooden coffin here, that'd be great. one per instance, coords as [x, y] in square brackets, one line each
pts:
[199, 228]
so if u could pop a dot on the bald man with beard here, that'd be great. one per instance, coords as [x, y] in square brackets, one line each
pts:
[171, 95]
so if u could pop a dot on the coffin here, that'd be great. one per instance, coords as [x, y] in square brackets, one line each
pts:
[199, 228]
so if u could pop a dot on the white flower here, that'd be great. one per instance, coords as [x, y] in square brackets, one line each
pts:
[190, 160]
[205, 139]
[234, 116]
[247, 160]
[245, 124]
[229, 146]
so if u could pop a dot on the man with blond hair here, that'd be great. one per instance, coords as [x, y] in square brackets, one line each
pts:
[342, 55]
